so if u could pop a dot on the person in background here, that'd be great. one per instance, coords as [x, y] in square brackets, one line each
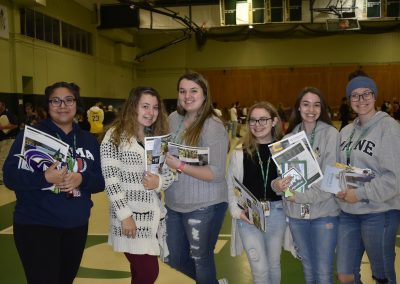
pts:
[83, 121]
[30, 116]
[50, 228]
[8, 131]
[370, 213]
[95, 117]
[196, 202]
[217, 110]
[233, 119]
[252, 165]
[137, 223]
[313, 214]
[109, 115]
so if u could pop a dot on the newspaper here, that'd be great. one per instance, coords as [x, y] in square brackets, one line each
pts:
[281, 145]
[341, 177]
[198, 156]
[298, 171]
[155, 149]
[40, 150]
[250, 205]
[298, 151]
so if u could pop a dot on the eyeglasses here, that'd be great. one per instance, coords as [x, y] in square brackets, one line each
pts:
[56, 102]
[356, 97]
[262, 121]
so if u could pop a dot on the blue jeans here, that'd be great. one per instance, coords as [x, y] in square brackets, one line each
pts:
[392, 223]
[315, 241]
[191, 239]
[357, 232]
[264, 249]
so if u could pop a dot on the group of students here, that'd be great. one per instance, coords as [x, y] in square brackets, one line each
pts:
[348, 223]
[50, 230]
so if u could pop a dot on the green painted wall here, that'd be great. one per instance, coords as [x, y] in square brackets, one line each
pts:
[104, 75]
[100, 75]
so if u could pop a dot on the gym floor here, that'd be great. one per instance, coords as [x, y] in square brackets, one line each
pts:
[100, 265]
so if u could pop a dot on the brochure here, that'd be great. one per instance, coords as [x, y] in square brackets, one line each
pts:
[341, 177]
[40, 150]
[198, 156]
[298, 171]
[283, 144]
[298, 151]
[250, 204]
[155, 149]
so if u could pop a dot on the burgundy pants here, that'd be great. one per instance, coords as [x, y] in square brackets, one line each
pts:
[144, 268]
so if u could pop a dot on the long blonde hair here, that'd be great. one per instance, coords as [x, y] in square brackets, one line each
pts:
[126, 124]
[193, 132]
[249, 141]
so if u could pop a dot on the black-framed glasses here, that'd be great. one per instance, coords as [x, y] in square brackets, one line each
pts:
[57, 102]
[261, 121]
[356, 97]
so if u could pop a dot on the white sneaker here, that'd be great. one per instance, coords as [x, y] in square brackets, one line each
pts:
[223, 281]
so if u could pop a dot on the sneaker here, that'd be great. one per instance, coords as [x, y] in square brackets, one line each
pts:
[223, 281]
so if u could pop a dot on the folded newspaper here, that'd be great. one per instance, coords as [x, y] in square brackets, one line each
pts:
[298, 171]
[198, 156]
[250, 205]
[297, 148]
[155, 149]
[41, 150]
[341, 177]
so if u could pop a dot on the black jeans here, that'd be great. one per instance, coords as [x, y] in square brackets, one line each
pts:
[50, 255]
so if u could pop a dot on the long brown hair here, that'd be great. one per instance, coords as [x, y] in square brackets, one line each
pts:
[126, 124]
[295, 117]
[249, 141]
[192, 134]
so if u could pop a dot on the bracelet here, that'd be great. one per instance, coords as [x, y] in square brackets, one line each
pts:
[180, 168]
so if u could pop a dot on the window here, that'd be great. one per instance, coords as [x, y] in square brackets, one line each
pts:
[43, 27]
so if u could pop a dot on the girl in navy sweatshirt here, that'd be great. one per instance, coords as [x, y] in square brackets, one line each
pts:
[50, 229]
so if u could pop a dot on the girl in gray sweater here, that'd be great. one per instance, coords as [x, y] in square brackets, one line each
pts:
[313, 214]
[370, 213]
[196, 202]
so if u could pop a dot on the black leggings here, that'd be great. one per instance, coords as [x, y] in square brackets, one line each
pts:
[50, 255]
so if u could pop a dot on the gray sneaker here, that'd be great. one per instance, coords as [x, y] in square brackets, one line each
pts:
[223, 281]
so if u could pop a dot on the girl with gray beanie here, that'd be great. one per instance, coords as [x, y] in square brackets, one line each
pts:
[370, 213]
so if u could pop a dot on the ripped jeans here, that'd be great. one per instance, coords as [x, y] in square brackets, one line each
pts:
[315, 241]
[191, 238]
[264, 249]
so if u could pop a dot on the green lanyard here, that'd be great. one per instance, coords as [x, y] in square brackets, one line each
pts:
[264, 174]
[350, 149]
[312, 137]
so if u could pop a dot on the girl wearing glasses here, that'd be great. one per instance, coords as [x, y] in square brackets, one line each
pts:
[50, 226]
[137, 223]
[197, 200]
[370, 213]
[313, 214]
[252, 165]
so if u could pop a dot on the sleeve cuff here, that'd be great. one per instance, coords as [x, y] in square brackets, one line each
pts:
[123, 213]
[160, 183]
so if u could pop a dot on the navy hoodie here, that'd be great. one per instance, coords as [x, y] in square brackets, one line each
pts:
[43, 207]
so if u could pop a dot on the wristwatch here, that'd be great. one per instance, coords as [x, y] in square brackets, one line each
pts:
[181, 166]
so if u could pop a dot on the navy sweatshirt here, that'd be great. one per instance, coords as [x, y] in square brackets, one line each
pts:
[43, 207]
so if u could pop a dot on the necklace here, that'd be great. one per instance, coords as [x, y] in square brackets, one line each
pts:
[263, 172]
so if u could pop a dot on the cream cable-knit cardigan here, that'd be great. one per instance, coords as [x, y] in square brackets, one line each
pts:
[123, 169]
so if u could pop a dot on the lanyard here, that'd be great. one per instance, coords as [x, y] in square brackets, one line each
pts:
[350, 149]
[74, 152]
[312, 137]
[264, 174]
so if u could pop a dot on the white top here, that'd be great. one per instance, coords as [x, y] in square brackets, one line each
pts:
[123, 169]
